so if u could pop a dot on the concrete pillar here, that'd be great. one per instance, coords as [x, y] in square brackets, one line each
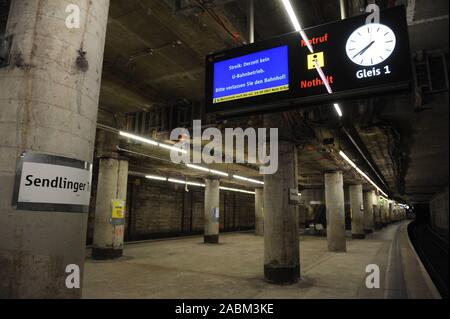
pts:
[385, 212]
[259, 212]
[281, 240]
[375, 210]
[48, 104]
[302, 215]
[111, 186]
[334, 201]
[391, 212]
[368, 212]
[357, 211]
[212, 199]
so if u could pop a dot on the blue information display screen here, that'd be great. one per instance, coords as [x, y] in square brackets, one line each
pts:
[250, 75]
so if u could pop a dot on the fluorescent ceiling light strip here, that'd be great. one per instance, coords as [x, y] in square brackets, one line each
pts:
[236, 190]
[306, 39]
[328, 87]
[173, 148]
[151, 142]
[290, 11]
[138, 138]
[248, 179]
[213, 171]
[195, 184]
[179, 181]
[338, 109]
[323, 77]
[296, 24]
[200, 168]
[158, 178]
[344, 156]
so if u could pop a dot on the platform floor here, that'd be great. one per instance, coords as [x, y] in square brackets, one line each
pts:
[187, 268]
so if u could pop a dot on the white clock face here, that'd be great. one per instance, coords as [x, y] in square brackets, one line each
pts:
[370, 44]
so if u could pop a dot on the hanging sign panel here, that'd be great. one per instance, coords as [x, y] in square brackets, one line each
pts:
[357, 59]
[52, 183]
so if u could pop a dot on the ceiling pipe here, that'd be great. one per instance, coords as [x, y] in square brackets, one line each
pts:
[251, 21]
[343, 5]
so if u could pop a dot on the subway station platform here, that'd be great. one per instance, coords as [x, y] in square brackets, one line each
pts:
[188, 268]
[175, 149]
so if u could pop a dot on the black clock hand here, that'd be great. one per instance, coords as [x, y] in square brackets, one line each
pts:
[364, 50]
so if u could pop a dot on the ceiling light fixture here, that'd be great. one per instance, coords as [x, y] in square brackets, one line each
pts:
[248, 179]
[338, 109]
[151, 142]
[344, 156]
[200, 168]
[172, 148]
[212, 171]
[296, 24]
[157, 178]
[179, 181]
[236, 190]
[138, 138]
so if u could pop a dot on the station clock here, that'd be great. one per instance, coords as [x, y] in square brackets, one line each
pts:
[370, 44]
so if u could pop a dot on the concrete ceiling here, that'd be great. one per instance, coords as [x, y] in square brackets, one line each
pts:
[154, 56]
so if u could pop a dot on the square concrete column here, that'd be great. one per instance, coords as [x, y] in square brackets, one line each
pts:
[212, 204]
[390, 212]
[281, 240]
[357, 211]
[334, 201]
[259, 211]
[109, 229]
[49, 98]
[368, 212]
[376, 211]
[394, 212]
[385, 213]
[111, 190]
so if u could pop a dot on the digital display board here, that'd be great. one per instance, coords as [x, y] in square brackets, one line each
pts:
[357, 59]
[258, 73]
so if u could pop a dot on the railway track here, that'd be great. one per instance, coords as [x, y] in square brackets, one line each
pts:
[432, 249]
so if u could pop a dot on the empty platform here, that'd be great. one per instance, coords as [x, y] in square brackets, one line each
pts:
[188, 268]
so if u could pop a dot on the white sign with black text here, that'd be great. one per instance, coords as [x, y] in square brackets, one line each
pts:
[54, 184]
